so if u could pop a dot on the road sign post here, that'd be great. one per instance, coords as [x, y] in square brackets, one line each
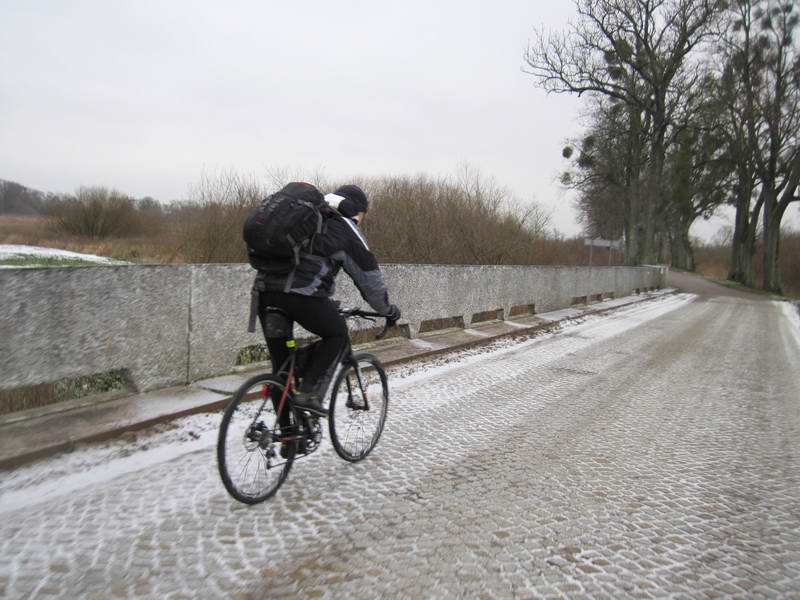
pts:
[601, 243]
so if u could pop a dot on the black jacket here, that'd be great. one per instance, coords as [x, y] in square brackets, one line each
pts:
[340, 244]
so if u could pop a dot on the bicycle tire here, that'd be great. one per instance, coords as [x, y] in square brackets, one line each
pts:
[345, 417]
[239, 443]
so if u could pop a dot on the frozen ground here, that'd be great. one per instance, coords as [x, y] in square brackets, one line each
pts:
[9, 251]
[138, 450]
[649, 453]
[792, 313]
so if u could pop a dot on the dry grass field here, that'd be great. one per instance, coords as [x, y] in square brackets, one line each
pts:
[23, 229]
[38, 230]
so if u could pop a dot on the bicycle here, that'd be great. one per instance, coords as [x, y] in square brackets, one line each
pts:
[263, 432]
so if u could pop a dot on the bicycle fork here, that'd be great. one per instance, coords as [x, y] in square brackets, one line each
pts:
[360, 380]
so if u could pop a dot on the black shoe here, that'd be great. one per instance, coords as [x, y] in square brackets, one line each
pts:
[286, 446]
[310, 402]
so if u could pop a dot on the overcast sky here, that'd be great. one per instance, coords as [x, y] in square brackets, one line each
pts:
[146, 96]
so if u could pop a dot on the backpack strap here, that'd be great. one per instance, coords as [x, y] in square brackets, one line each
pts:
[295, 248]
[258, 287]
[320, 222]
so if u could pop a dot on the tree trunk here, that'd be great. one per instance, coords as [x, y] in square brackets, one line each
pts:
[646, 219]
[633, 247]
[664, 249]
[634, 190]
[653, 198]
[743, 246]
[773, 282]
[742, 253]
[681, 251]
[627, 229]
[633, 243]
[774, 209]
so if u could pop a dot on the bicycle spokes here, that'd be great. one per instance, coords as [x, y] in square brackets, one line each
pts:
[358, 408]
[254, 453]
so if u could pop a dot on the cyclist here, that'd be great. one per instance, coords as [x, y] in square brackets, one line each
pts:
[303, 291]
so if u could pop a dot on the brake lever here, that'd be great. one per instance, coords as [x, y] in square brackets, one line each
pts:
[385, 330]
[347, 312]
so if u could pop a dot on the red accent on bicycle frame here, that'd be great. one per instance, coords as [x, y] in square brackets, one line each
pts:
[285, 392]
[264, 390]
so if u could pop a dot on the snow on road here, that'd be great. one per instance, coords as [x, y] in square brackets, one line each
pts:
[640, 453]
[99, 463]
[792, 313]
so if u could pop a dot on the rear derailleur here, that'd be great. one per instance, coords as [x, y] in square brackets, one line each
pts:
[313, 434]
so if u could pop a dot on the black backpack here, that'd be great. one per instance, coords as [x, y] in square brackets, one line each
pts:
[284, 225]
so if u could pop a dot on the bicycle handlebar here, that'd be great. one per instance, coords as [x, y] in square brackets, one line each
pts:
[357, 312]
[362, 314]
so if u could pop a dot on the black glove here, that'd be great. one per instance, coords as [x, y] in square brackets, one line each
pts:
[393, 314]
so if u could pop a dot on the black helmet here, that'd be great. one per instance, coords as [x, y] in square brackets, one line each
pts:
[355, 200]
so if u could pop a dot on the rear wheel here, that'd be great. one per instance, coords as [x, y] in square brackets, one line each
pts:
[358, 407]
[255, 449]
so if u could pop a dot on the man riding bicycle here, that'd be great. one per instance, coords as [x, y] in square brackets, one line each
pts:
[301, 289]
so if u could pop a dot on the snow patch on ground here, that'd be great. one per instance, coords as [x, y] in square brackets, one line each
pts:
[791, 311]
[8, 251]
[104, 461]
[135, 451]
[594, 328]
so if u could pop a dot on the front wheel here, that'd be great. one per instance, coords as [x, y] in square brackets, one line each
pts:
[256, 448]
[359, 403]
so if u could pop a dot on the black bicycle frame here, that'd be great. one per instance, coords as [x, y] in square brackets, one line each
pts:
[346, 357]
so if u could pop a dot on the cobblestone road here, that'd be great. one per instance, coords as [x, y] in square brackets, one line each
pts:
[644, 454]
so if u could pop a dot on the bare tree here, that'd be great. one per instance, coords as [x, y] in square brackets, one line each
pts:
[698, 178]
[761, 87]
[741, 121]
[208, 228]
[773, 92]
[636, 52]
[604, 168]
[16, 198]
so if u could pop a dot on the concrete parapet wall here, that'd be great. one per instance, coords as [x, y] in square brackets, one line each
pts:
[175, 324]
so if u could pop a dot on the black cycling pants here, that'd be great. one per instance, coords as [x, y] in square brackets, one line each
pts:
[321, 317]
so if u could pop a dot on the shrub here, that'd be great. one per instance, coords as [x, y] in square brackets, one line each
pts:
[463, 220]
[95, 212]
[713, 260]
[208, 227]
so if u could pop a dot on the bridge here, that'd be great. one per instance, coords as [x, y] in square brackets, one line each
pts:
[640, 446]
